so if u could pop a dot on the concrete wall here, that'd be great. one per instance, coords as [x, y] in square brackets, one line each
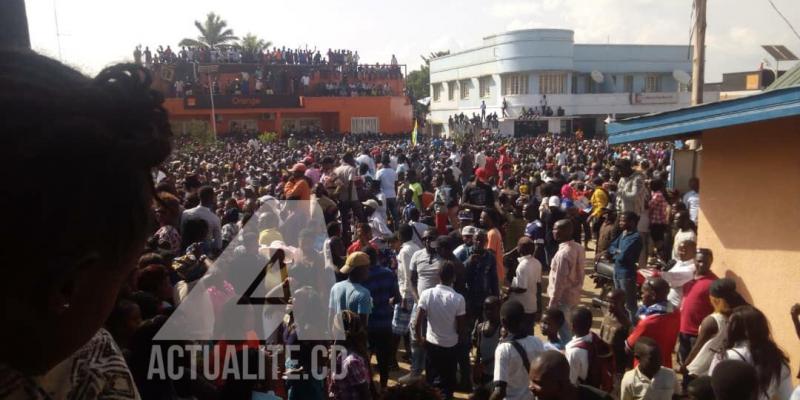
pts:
[750, 217]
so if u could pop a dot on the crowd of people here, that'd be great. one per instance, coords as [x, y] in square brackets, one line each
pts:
[448, 257]
[236, 54]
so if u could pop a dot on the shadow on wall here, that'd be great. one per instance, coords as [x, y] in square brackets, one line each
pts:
[741, 287]
[749, 186]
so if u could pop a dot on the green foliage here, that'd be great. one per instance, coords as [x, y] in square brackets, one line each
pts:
[252, 46]
[268, 137]
[214, 32]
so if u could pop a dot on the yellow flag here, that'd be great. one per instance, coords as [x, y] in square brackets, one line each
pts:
[414, 134]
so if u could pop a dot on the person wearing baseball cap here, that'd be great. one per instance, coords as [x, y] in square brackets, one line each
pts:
[297, 188]
[376, 223]
[464, 250]
[351, 294]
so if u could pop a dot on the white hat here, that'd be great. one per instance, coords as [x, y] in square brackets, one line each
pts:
[371, 203]
[469, 230]
[554, 201]
[291, 253]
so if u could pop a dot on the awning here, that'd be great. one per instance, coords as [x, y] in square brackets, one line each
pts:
[769, 105]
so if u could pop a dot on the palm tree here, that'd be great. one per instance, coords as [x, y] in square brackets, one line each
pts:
[213, 33]
[252, 46]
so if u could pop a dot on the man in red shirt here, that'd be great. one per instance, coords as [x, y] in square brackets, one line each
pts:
[696, 304]
[657, 320]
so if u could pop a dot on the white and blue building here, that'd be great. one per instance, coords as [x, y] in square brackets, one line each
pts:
[536, 67]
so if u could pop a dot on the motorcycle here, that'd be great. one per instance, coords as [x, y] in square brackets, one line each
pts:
[603, 277]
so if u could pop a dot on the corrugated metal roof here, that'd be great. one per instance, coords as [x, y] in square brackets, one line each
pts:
[788, 79]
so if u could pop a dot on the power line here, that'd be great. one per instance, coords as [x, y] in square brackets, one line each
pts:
[784, 18]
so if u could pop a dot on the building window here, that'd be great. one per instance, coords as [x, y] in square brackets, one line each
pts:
[483, 86]
[364, 125]
[515, 84]
[652, 84]
[552, 83]
[437, 91]
[464, 87]
[629, 83]
[574, 83]
[451, 90]
[590, 85]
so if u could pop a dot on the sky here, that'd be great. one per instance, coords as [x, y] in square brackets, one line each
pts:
[97, 33]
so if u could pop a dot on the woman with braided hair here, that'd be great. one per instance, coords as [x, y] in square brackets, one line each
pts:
[78, 153]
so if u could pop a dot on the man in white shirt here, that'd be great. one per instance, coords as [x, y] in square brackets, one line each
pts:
[692, 199]
[685, 231]
[577, 354]
[365, 158]
[681, 273]
[649, 380]
[208, 200]
[408, 296]
[525, 284]
[513, 357]
[442, 310]
[376, 220]
[388, 179]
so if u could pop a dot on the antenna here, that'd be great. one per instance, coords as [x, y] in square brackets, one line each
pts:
[58, 32]
[597, 76]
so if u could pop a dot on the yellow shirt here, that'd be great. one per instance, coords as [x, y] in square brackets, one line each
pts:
[599, 202]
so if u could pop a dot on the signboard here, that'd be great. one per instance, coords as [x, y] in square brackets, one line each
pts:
[752, 82]
[654, 98]
[240, 101]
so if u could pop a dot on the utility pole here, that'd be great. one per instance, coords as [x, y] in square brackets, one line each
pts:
[699, 58]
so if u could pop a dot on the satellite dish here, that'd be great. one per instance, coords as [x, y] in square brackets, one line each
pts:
[597, 76]
[682, 76]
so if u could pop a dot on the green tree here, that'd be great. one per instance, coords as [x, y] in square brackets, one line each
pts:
[418, 83]
[214, 32]
[252, 46]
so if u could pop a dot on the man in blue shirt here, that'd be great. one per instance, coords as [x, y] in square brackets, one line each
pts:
[625, 251]
[350, 294]
[382, 285]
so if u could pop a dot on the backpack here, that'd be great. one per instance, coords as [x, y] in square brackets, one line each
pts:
[601, 364]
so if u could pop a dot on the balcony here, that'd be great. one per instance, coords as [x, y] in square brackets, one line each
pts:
[182, 79]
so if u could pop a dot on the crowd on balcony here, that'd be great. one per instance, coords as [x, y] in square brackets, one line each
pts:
[462, 122]
[536, 112]
[347, 59]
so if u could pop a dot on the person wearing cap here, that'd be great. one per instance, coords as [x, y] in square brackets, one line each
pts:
[351, 294]
[550, 217]
[297, 188]
[526, 284]
[478, 194]
[376, 220]
[464, 250]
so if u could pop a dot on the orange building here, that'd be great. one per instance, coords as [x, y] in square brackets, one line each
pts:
[749, 191]
[291, 106]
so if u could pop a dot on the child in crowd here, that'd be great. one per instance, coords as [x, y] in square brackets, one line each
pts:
[552, 320]
[485, 338]
[649, 380]
[614, 330]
